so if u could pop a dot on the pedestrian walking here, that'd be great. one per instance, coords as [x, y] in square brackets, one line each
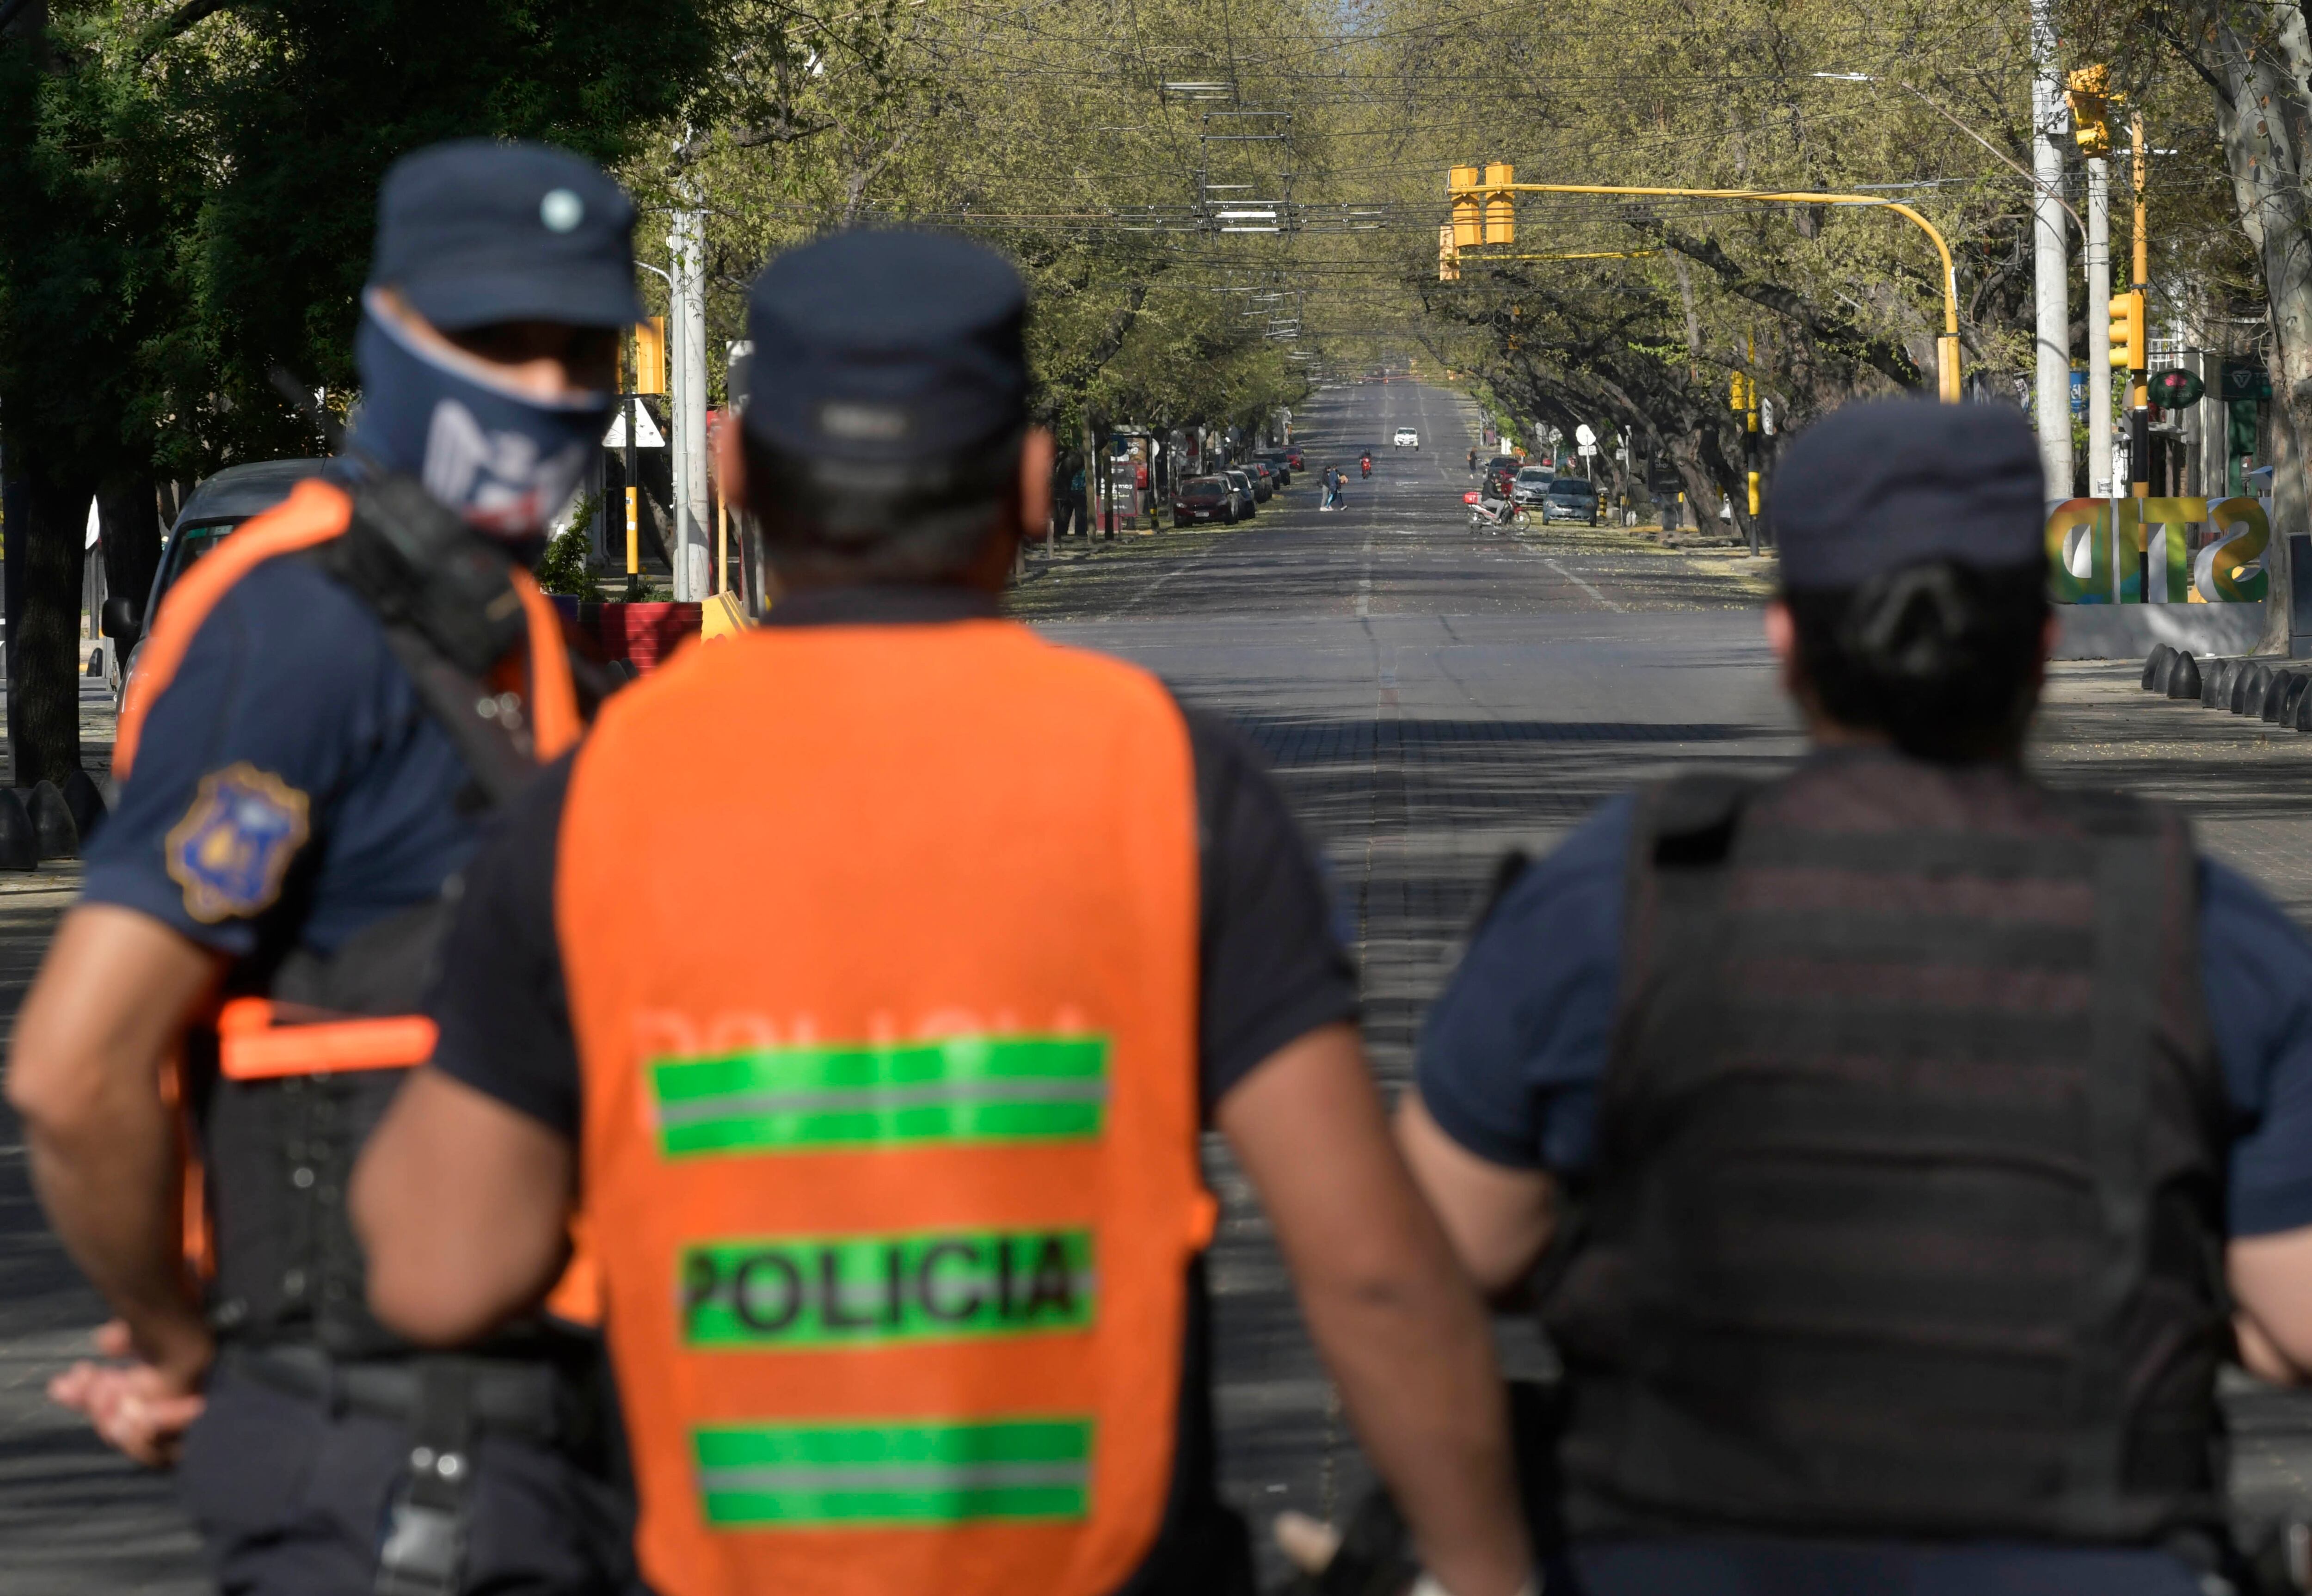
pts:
[1935, 1131]
[891, 1157]
[1472, 463]
[325, 709]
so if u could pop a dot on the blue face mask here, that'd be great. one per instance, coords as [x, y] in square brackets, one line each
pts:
[506, 462]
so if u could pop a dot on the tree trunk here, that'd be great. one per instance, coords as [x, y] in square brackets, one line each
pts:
[2258, 59]
[47, 521]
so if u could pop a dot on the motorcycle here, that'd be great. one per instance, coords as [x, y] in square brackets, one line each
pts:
[1365, 465]
[1494, 513]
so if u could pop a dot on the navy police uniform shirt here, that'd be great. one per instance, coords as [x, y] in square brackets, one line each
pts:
[1509, 1066]
[290, 787]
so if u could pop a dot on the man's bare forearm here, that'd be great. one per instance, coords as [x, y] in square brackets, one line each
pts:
[1414, 1358]
[1398, 1323]
[114, 1199]
[111, 1001]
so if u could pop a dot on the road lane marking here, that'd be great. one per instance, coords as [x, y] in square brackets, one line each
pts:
[1584, 586]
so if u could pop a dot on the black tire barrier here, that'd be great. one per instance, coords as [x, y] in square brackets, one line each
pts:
[2276, 701]
[2301, 720]
[86, 801]
[2216, 683]
[2160, 655]
[2183, 679]
[2236, 698]
[2291, 698]
[52, 823]
[20, 845]
[2259, 686]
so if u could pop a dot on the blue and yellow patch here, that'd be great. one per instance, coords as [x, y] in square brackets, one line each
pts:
[233, 848]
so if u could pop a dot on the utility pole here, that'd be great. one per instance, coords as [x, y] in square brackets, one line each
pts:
[2089, 98]
[2139, 392]
[2049, 257]
[686, 286]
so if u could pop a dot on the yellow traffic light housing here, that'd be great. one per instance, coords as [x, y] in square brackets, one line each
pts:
[1449, 258]
[1468, 208]
[2127, 329]
[650, 354]
[2088, 92]
[1501, 209]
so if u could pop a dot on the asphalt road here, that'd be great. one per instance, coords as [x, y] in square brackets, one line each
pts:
[1431, 697]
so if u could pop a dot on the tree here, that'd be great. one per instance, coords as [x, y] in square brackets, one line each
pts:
[185, 202]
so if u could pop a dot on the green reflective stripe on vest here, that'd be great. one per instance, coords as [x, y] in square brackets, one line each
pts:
[812, 1476]
[808, 1292]
[956, 1090]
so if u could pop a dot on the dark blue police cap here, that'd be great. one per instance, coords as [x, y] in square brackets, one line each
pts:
[1877, 487]
[475, 231]
[886, 346]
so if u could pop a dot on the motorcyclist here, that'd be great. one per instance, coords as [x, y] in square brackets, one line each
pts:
[1364, 463]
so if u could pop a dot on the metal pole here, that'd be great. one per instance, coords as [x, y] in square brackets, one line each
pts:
[2098, 267]
[2139, 390]
[687, 329]
[1947, 352]
[2051, 118]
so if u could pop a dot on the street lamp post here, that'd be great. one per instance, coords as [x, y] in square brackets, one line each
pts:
[1945, 347]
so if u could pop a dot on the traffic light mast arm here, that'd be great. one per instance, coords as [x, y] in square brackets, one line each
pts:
[1947, 347]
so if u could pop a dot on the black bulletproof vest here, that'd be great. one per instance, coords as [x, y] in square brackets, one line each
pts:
[1908, 1218]
[280, 1152]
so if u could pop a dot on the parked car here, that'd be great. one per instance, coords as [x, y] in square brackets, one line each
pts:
[1293, 458]
[219, 505]
[1263, 480]
[1246, 500]
[1406, 438]
[1203, 498]
[1274, 460]
[1503, 462]
[1531, 486]
[1570, 498]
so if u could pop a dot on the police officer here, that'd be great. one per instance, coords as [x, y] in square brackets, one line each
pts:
[323, 711]
[883, 1081]
[1901, 1127]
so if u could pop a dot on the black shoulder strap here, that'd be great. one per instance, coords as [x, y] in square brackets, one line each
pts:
[1689, 820]
[446, 599]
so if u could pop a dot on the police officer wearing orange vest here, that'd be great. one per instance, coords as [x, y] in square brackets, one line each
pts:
[322, 713]
[1912, 1141]
[871, 977]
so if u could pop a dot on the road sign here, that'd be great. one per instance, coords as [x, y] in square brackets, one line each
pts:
[646, 436]
[1586, 438]
[2246, 379]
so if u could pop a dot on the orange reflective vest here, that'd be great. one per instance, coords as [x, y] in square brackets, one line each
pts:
[891, 1116]
[256, 1039]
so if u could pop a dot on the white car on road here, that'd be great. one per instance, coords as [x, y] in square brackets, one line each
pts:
[1406, 438]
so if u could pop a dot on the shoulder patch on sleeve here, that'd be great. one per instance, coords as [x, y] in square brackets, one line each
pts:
[233, 848]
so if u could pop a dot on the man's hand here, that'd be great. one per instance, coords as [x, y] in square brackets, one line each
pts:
[139, 1407]
[112, 998]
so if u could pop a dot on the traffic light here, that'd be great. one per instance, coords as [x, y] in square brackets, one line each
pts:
[1501, 209]
[650, 354]
[1468, 208]
[2127, 329]
[2088, 92]
[1449, 258]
